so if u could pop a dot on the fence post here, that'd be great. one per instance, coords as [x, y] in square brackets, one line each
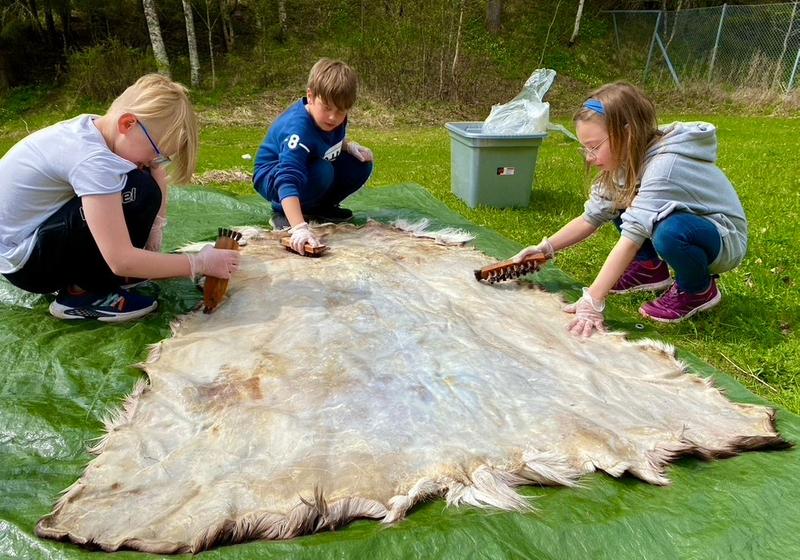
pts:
[652, 45]
[665, 54]
[716, 41]
[794, 71]
[785, 45]
[616, 33]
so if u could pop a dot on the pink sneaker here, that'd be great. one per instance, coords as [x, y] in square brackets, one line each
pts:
[640, 278]
[675, 305]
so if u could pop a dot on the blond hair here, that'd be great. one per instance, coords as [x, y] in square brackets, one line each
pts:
[164, 108]
[630, 119]
[335, 82]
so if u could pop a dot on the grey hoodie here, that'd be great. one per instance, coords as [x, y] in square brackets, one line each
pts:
[680, 175]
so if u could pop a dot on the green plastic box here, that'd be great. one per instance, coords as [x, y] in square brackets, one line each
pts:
[491, 169]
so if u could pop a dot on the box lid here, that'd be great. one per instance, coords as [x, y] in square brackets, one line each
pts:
[474, 129]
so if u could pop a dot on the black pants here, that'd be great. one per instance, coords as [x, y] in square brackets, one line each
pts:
[65, 252]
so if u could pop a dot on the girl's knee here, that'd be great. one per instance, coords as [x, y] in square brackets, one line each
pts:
[669, 235]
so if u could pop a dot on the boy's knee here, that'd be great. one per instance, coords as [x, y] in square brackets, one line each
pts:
[352, 171]
[141, 192]
[260, 187]
[366, 171]
[320, 174]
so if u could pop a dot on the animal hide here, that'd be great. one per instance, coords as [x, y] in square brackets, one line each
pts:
[360, 383]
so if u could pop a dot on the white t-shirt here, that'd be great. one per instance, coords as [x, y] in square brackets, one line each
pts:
[42, 172]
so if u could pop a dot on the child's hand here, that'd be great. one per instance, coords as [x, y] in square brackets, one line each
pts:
[588, 315]
[358, 151]
[543, 248]
[210, 261]
[301, 234]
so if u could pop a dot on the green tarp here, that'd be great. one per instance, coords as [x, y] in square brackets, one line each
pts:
[60, 379]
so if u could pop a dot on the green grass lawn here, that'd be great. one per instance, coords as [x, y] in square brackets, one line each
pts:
[751, 335]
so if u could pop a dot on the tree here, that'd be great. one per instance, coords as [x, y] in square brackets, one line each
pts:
[194, 60]
[577, 23]
[494, 15]
[226, 7]
[284, 30]
[34, 11]
[210, 23]
[458, 41]
[51, 23]
[65, 13]
[153, 27]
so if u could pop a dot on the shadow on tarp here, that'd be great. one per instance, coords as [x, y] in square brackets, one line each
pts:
[58, 380]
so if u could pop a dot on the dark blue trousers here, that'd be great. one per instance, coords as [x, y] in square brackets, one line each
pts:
[65, 252]
[328, 183]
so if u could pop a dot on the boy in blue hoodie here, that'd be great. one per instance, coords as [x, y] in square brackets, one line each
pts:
[674, 207]
[306, 165]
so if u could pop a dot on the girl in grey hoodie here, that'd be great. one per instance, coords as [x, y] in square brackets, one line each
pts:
[673, 206]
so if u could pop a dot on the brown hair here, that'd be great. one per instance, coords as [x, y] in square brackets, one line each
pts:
[630, 118]
[335, 82]
[164, 107]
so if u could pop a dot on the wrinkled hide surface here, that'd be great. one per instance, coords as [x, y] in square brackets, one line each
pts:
[362, 382]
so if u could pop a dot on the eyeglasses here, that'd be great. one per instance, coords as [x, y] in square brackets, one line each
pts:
[160, 158]
[591, 153]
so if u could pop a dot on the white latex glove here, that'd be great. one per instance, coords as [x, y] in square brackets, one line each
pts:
[358, 151]
[156, 237]
[210, 261]
[543, 248]
[301, 234]
[588, 315]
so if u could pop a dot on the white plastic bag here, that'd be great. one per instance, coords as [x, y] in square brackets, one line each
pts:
[526, 113]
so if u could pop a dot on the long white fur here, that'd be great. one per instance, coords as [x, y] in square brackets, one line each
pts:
[224, 445]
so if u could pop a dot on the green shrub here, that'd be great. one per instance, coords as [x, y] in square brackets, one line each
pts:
[102, 72]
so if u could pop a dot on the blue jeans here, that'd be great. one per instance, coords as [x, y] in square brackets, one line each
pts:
[688, 243]
[328, 183]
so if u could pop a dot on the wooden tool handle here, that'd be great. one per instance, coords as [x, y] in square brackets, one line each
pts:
[508, 270]
[214, 288]
[310, 251]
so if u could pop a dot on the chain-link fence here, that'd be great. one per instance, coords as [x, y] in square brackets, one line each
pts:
[742, 46]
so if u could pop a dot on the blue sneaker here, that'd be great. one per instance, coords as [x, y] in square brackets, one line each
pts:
[119, 305]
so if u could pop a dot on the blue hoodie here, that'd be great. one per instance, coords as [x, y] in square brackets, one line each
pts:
[293, 143]
[680, 175]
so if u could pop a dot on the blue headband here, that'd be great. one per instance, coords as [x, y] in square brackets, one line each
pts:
[595, 105]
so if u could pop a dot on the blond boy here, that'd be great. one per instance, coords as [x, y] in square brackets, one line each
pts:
[83, 204]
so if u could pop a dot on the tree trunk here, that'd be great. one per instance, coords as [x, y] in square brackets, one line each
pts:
[577, 23]
[210, 27]
[458, 40]
[282, 19]
[549, 28]
[194, 60]
[52, 34]
[227, 26]
[34, 10]
[65, 13]
[35, 17]
[159, 51]
[5, 73]
[494, 16]
[674, 21]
